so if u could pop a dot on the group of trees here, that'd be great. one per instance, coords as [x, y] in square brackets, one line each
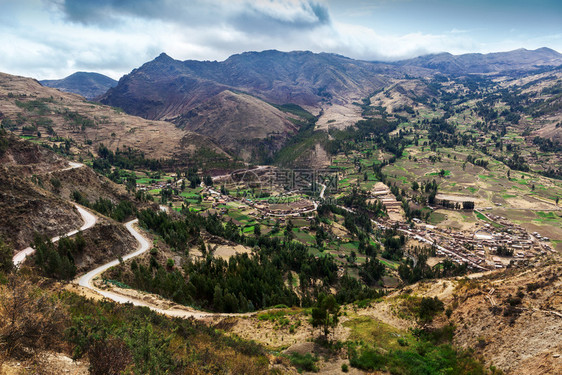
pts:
[126, 159]
[411, 274]
[57, 260]
[244, 283]
[120, 212]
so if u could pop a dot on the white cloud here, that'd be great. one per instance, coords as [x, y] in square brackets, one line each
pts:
[54, 38]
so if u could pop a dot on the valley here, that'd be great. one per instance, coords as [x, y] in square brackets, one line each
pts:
[396, 217]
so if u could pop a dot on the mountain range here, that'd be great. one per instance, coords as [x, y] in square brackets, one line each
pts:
[238, 104]
[499, 62]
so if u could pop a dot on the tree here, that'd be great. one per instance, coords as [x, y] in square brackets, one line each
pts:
[415, 186]
[326, 313]
[468, 205]
[428, 309]
[6, 263]
[208, 180]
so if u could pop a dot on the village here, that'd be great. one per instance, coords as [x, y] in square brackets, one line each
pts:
[493, 243]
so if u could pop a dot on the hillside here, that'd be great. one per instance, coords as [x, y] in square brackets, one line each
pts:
[240, 123]
[28, 207]
[67, 122]
[89, 85]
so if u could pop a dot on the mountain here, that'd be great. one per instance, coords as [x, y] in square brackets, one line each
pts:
[232, 101]
[499, 62]
[165, 88]
[89, 85]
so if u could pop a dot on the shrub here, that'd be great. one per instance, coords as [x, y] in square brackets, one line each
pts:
[109, 356]
[306, 362]
[28, 319]
[369, 360]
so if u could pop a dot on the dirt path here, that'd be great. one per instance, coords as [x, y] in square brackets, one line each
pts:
[137, 298]
[89, 221]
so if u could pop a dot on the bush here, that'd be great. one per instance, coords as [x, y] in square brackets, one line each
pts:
[6, 253]
[29, 319]
[56, 184]
[344, 367]
[305, 362]
[369, 360]
[109, 356]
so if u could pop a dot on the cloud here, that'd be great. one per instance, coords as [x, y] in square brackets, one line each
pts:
[244, 14]
[54, 38]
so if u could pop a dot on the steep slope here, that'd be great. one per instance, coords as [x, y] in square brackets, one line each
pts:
[89, 85]
[500, 62]
[27, 207]
[239, 123]
[27, 108]
[35, 197]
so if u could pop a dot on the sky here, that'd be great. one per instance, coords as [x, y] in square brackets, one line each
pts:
[50, 39]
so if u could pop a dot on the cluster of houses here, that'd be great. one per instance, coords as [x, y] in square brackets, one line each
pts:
[383, 194]
[278, 207]
[480, 249]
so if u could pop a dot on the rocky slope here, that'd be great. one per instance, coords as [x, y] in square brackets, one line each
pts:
[239, 123]
[28, 207]
[513, 318]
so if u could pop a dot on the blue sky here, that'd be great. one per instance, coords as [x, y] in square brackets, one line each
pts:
[54, 38]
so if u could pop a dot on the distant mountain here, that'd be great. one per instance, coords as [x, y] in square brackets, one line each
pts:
[165, 88]
[499, 62]
[89, 85]
[233, 102]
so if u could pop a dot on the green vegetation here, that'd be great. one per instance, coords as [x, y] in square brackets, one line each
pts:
[57, 261]
[306, 362]
[117, 338]
[120, 212]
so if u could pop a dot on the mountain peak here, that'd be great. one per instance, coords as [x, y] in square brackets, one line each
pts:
[163, 57]
[547, 50]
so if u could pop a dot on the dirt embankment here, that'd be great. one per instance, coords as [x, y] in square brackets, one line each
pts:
[105, 241]
[513, 318]
[26, 209]
[26, 158]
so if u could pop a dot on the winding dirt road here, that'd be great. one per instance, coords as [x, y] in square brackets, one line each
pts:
[179, 311]
[89, 221]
